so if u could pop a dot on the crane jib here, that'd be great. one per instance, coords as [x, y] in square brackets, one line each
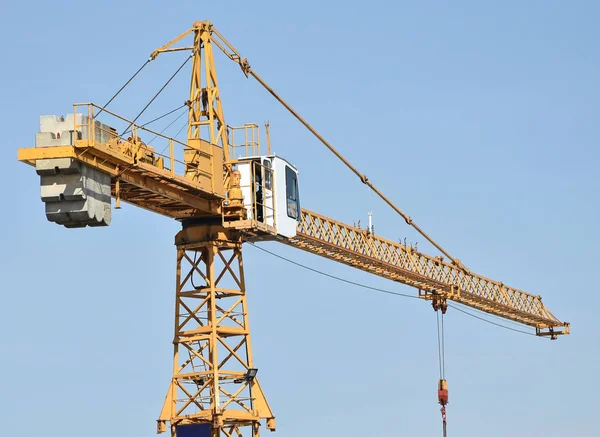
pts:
[433, 277]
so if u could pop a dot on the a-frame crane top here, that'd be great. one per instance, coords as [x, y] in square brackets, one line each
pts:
[225, 193]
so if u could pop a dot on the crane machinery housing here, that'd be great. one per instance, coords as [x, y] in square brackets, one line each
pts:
[225, 193]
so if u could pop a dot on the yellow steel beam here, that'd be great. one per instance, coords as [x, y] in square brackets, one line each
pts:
[212, 349]
[434, 277]
[185, 197]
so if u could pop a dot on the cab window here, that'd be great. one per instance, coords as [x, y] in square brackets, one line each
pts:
[292, 196]
[268, 174]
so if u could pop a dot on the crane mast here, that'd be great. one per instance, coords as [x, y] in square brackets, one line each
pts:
[214, 380]
[214, 388]
[223, 200]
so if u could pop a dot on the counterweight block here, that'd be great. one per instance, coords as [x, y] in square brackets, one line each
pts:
[75, 195]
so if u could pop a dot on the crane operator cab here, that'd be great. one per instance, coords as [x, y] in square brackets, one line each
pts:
[269, 185]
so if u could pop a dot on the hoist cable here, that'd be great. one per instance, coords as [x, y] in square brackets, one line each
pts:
[443, 349]
[442, 395]
[493, 323]
[382, 290]
[157, 94]
[123, 87]
[439, 350]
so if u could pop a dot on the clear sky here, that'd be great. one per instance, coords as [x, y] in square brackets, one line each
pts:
[481, 121]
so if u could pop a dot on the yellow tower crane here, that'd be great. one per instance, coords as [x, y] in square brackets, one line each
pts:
[225, 193]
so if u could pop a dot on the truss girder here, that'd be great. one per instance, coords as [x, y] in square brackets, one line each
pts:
[432, 276]
[212, 350]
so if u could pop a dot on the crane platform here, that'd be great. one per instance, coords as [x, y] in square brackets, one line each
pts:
[156, 181]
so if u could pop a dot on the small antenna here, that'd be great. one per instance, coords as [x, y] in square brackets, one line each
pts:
[370, 229]
[268, 137]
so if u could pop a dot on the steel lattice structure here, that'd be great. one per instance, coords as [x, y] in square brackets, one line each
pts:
[431, 275]
[212, 353]
[214, 382]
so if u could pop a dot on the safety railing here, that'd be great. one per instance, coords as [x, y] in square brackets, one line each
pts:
[97, 125]
[244, 140]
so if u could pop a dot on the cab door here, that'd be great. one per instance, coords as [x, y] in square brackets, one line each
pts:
[268, 192]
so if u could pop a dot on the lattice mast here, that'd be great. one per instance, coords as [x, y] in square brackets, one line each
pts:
[214, 380]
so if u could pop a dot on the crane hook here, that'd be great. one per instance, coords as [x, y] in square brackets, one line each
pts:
[443, 401]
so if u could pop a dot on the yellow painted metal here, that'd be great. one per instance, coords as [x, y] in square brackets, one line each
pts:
[201, 159]
[212, 352]
[267, 126]
[248, 145]
[146, 182]
[144, 179]
[434, 277]
[206, 110]
[436, 280]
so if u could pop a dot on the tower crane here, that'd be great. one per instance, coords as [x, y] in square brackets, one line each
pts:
[225, 193]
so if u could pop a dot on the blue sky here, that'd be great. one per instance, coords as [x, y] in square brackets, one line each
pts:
[478, 120]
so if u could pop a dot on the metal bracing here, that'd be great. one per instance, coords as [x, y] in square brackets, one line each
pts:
[433, 277]
[213, 380]
[205, 101]
[208, 153]
[147, 178]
